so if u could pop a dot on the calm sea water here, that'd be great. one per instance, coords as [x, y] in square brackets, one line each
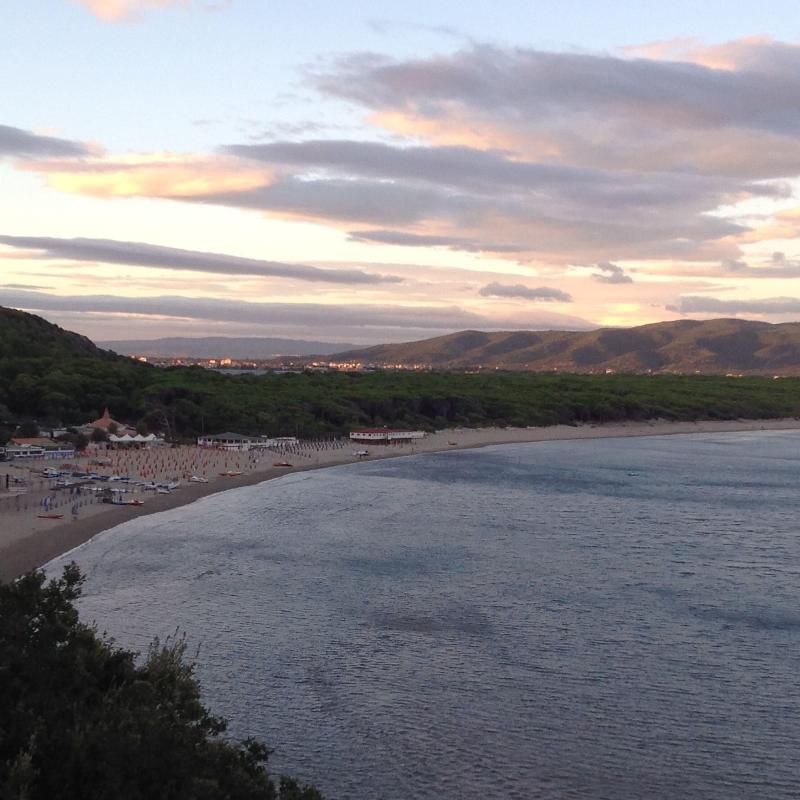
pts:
[592, 619]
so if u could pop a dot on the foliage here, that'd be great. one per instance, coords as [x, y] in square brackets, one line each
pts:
[27, 429]
[82, 719]
[56, 376]
[99, 435]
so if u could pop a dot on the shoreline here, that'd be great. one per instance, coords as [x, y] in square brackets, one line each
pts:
[31, 549]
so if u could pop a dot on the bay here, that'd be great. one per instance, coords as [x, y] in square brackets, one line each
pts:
[611, 618]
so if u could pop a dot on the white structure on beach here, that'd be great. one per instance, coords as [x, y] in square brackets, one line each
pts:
[38, 447]
[385, 435]
[238, 441]
[139, 439]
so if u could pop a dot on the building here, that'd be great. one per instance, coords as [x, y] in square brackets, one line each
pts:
[38, 447]
[225, 441]
[105, 423]
[385, 435]
[139, 440]
[238, 441]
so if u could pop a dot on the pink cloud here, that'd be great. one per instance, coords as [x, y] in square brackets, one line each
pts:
[120, 10]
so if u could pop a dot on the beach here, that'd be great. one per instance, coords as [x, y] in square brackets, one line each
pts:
[28, 539]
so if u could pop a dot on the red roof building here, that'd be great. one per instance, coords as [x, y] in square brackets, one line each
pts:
[105, 422]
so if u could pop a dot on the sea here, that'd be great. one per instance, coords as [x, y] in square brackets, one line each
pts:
[608, 618]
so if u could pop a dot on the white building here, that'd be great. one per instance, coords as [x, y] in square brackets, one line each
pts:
[238, 441]
[225, 441]
[385, 435]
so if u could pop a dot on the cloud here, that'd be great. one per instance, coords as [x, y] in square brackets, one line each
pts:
[541, 293]
[122, 10]
[24, 286]
[166, 175]
[319, 318]
[713, 305]
[140, 254]
[546, 158]
[462, 197]
[593, 109]
[778, 266]
[404, 239]
[456, 197]
[19, 143]
[611, 273]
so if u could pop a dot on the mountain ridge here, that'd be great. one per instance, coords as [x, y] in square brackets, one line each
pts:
[222, 347]
[717, 346]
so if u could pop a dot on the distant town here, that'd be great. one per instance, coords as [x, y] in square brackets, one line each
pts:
[276, 365]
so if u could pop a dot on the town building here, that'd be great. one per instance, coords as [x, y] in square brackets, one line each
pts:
[238, 441]
[107, 423]
[38, 447]
[385, 435]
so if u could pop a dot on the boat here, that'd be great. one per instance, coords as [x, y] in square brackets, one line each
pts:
[198, 479]
[282, 464]
[50, 516]
[119, 501]
[230, 473]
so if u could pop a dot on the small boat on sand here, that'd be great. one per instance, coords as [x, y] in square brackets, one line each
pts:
[231, 473]
[50, 516]
[281, 464]
[198, 479]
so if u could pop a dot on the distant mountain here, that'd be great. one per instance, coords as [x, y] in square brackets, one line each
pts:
[222, 347]
[716, 346]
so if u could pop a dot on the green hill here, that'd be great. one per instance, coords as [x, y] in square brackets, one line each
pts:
[54, 376]
[718, 346]
[28, 336]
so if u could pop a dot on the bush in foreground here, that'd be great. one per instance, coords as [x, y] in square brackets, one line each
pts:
[79, 718]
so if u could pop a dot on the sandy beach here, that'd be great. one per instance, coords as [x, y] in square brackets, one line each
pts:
[27, 540]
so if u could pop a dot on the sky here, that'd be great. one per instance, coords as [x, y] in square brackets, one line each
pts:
[373, 172]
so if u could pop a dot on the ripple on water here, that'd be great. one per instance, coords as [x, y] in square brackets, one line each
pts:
[586, 619]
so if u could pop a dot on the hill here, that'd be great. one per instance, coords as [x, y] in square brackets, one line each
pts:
[57, 377]
[719, 346]
[25, 335]
[223, 347]
[53, 374]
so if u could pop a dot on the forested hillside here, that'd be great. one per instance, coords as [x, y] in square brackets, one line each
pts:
[716, 346]
[53, 376]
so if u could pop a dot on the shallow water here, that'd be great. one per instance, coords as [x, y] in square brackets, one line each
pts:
[609, 618]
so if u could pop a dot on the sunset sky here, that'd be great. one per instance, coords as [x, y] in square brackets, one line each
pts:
[384, 171]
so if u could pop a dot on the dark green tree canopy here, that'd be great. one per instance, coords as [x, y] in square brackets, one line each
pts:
[53, 375]
[81, 719]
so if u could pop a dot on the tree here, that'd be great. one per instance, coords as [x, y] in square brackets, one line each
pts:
[28, 428]
[113, 428]
[81, 718]
[99, 435]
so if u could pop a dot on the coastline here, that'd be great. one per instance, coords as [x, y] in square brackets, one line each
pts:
[23, 549]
